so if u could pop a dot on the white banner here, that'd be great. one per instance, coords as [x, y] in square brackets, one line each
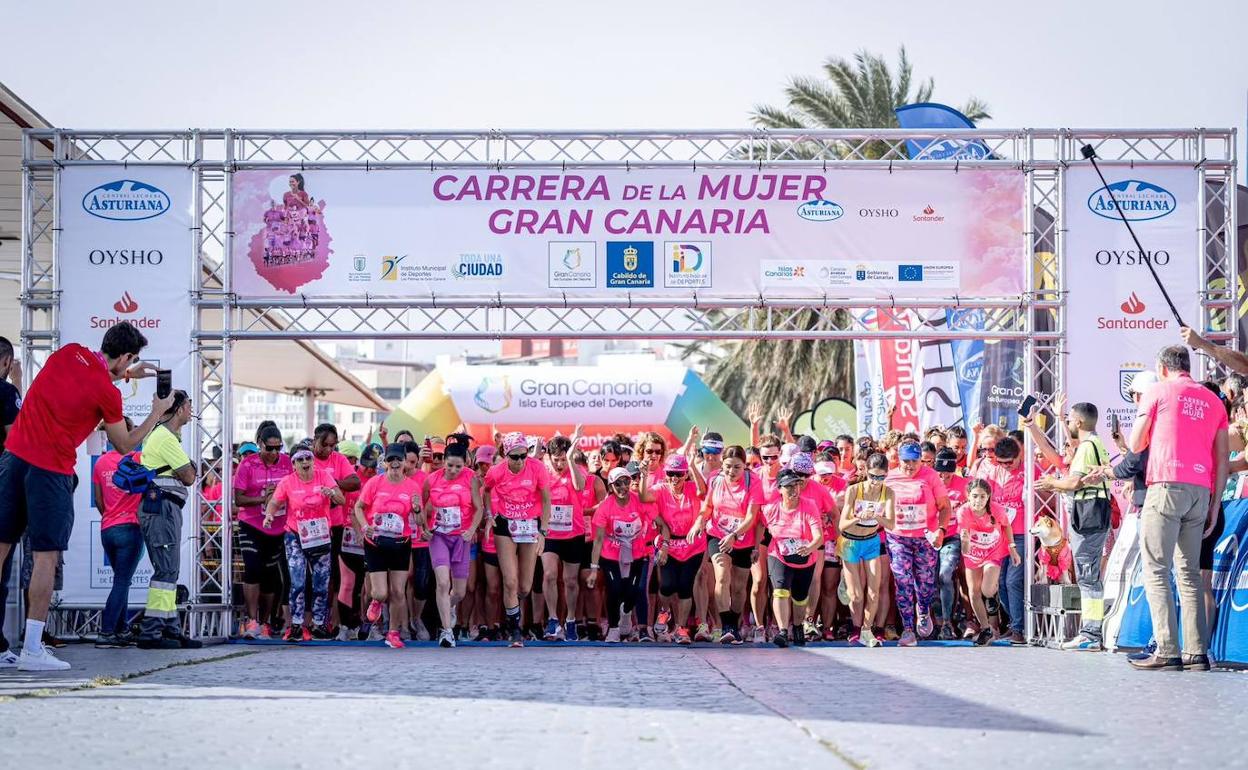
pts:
[1116, 317]
[125, 254]
[727, 233]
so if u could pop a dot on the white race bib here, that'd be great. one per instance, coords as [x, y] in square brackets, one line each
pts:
[829, 549]
[789, 546]
[561, 518]
[865, 512]
[351, 541]
[522, 530]
[911, 516]
[449, 518]
[389, 524]
[314, 532]
[625, 531]
[730, 524]
[986, 540]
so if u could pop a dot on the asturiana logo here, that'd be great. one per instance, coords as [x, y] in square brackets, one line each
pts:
[1139, 200]
[820, 210]
[125, 201]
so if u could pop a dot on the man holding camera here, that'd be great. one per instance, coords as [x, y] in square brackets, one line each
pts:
[71, 395]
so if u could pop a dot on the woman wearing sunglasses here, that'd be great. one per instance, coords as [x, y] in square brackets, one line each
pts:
[263, 548]
[565, 543]
[729, 513]
[384, 513]
[678, 504]
[868, 509]
[922, 509]
[450, 516]
[795, 523]
[519, 506]
[621, 551]
[307, 495]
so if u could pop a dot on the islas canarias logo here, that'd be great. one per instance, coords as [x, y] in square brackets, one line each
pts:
[493, 394]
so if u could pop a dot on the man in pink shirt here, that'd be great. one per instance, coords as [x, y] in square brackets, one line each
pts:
[1184, 426]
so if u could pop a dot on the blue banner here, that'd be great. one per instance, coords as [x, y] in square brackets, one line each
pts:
[932, 115]
[1230, 587]
[968, 362]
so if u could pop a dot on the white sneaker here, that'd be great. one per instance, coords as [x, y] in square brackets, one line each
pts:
[344, 634]
[8, 659]
[422, 633]
[446, 638]
[759, 636]
[613, 636]
[375, 634]
[626, 621]
[43, 660]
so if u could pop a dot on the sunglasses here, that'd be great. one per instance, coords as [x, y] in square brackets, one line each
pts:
[675, 475]
[770, 457]
[709, 451]
[655, 452]
[438, 456]
[622, 482]
[517, 458]
[271, 448]
[873, 477]
[394, 459]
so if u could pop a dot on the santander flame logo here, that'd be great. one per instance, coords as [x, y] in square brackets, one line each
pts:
[928, 210]
[1132, 306]
[126, 304]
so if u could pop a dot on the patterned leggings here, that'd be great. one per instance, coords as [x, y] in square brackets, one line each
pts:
[298, 579]
[914, 562]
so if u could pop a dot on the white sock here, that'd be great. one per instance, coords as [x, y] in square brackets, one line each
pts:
[34, 636]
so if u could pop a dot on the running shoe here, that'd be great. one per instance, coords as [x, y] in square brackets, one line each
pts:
[983, 637]
[626, 621]
[1082, 643]
[925, 627]
[868, 638]
[613, 636]
[419, 632]
[682, 636]
[374, 611]
[266, 632]
[110, 642]
[375, 634]
[908, 639]
[517, 638]
[552, 630]
[39, 660]
[663, 638]
[781, 639]
[662, 622]
[307, 633]
[703, 633]
[799, 638]
[727, 637]
[593, 632]
[446, 638]
[829, 635]
[345, 634]
[810, 631]
[760, 636]
[560, 633]
[8, 659]
[946, 632]
[890, 634]
[854, 637]
[971, 631]
[251, 629]
[738, 638]
[1017, 639]
[569, 631]
[644, 635]
[322, 633]
[393, 641]
[291, 635]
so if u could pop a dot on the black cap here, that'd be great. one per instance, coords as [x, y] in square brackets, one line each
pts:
[788, 477]
[368, 456]
[396, 450]
[946, 461]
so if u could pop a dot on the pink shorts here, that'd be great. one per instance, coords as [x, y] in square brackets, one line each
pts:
[450, 551]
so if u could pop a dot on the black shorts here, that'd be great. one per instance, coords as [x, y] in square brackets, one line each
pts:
[422, 574]
[490, 559]
[386, 554]
[741, 557]
[570, 550]
[262, 555]
[1207, 544]
[795, 579]
[25, 488]
[677, 577]
[501, 530]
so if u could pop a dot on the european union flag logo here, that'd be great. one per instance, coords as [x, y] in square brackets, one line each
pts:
[909, 272]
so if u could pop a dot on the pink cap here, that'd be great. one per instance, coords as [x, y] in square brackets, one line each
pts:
[513, 442]
[676, 464]
[486, 454]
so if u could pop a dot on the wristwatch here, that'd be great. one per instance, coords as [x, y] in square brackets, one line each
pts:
[594, 567]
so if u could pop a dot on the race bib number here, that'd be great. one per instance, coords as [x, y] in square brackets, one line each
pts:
[449, 519]
[389, 524]
[789, 546]
[911, 516]
[865, 513]
[986, 540]
[314, 532]
[730, 524]
[625, 531]
[561, 518]
[351, 541]
[522, 530]
[829, 549]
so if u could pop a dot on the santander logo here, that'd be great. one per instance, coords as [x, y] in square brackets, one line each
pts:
[1132, 306]
[126, 304]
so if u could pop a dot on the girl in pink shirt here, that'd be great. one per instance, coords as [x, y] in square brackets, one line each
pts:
[796, 527]
[678, 503]
[986, 540]
[307, 495]
[519, 499]
[565, 542]
[620, 551]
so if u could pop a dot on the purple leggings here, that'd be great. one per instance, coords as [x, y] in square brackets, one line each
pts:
[913, 562]
[450, 551]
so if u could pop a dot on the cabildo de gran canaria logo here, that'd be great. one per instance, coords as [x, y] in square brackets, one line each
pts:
[125, 201]
[493, 394]
[1140, 201]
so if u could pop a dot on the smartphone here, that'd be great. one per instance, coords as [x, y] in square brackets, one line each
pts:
[1113, 426]
[164, 383]
[1028, 403]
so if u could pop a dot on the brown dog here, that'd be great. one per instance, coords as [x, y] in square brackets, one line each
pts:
[1054, 563]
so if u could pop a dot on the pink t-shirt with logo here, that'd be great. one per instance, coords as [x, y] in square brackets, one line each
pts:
[120, 507]
[251, 478]
[388, 506]
[915, 503]
[1186, 417]
[623, 523]
[730, 504]
[567, 504]
[338, 467]
[304, 499]
[517, 495]
[792, 529]
[679, 512]
[452, 502]
[956, 487]
[1008, 487]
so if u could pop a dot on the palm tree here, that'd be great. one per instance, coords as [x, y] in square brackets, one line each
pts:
[857, 93]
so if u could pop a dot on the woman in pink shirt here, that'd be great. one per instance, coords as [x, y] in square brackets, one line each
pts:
[565, 542]
[451, 515]
[828, 473]
[729, 514]
[678, 504]
[519, 506]
[796, 527]
[986, 542]
[950, 577]
[922, 507]
[595, 491]
[384, 515]
[620, 550]
[307, 495]
[122, 542]
[869, 509]
[262, 547]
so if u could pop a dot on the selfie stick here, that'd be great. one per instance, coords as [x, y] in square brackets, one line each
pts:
[1090, 154]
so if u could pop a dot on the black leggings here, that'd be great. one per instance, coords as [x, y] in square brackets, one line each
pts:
[350, 614]
[623, 590]
[263, 556]
[422, 574]
[677, 577]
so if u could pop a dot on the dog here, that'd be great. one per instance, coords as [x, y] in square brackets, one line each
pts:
[1054, 561]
